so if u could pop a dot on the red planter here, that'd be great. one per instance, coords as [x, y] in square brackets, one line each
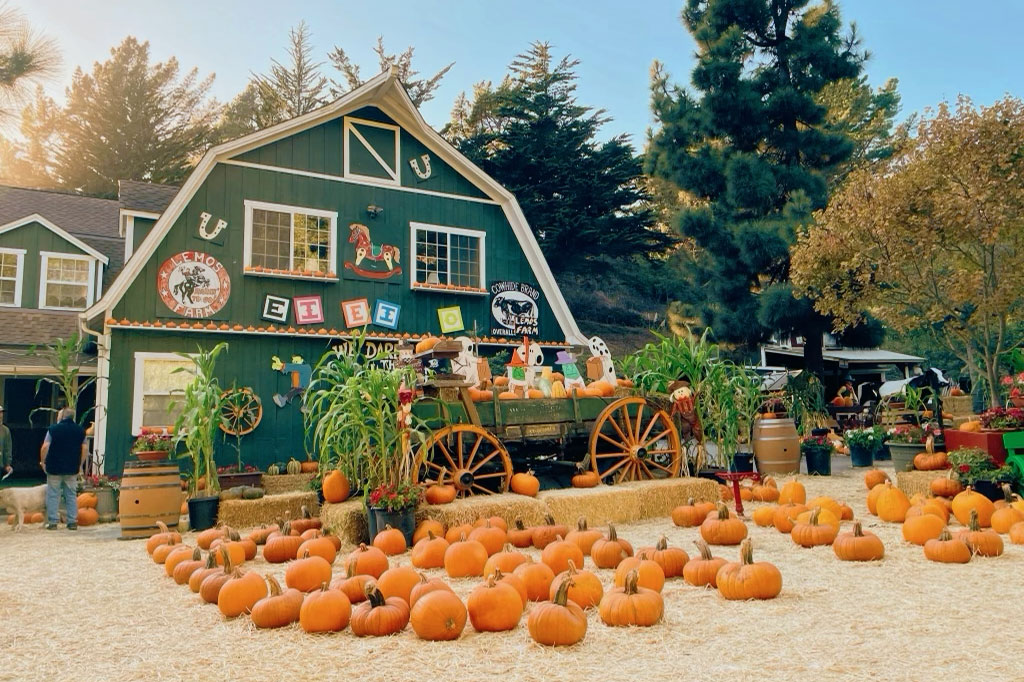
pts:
[989, 441]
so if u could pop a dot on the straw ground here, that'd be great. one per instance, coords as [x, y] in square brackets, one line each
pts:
[85, 606]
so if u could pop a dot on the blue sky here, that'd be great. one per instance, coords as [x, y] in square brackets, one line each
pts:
[937, 48]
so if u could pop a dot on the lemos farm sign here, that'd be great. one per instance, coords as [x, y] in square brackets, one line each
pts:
[515, 309]
[193, 284]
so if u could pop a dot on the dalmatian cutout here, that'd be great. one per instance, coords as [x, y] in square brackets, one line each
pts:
[465, 362]
[599, 349]
[535, 360]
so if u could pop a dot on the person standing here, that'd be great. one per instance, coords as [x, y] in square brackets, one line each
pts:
[61, 457]
[6, 447]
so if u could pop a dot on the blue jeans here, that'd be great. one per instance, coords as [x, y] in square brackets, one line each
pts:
[69, 484]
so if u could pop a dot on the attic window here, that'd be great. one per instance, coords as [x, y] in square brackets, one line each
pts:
[448, 258]
[289, 239]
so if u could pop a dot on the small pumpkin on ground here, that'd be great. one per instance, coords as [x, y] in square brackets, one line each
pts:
[560, 553]
[307, 573]
[585, 588]
[438, 615]
[425, 526]
[352, 584]
[537, 577]
[494, 606]
[377, 616]
[279, 608]
[793, 492]
[465, 558]
[507, 560]
[491, 537]
[671, 559]
[964, 502]
[366, 560]
[520, 535]
[429, 552]
[649, 573]
[922, 528]
[811, 533]
[785, 516]
[723, 530]
[610, 550]
[763, 516]
[947, 550]
[325, 610]
[631, 604]
[549, 532]
[336, 487]
[985, 542]
[424, 587]
[746, 579]
[398, 581]
[240, 593]
[559, 622]
[856, 545]
[703, 570]
[1017, 533]
[391, 541]
[692, 513]
[583, 536]
[892, 504]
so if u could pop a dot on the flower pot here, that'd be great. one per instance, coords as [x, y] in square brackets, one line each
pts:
[152, 455]
[106, 503]
[993, 490]
[404, 520]
[1017, 401]
[819, 461]
[249, 478]
[202, 512]
[903, 454]
[989, 441]
[881, 453]
[742, 461]
[862, 456]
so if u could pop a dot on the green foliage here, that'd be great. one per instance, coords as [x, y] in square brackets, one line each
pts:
[582, 199]
[65, 357]
[804, 397]
[420, 89]
[298, 87]
[971, 465]
[201, 416]
[26, 57]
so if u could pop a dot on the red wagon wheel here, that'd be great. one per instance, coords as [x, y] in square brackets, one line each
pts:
[632, 441]
[470, 457]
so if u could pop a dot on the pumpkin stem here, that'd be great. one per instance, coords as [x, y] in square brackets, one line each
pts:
[562, 594]
[723, 511]
[275, 587]
[519, 525]
[690, 502]
[705, 551]
[286, 529]
[350, 569]
[197, 555]
[491, 579]
[581, 524]
[612, 536]
[305, 553]
[549, 519]
[430, 534]
[234, 536]
[572, 568]
[973, 525]
[387, 526]
[497, 574]
[324, 587]
[857, 531]
[814, 516]
[662, 544]
[631, 582]
[746, 552]
[305, 512]
[1007, 493]
[945, 535]
[227, 559]
[462, 537]
[211, 560]
[162, 526]
[373, 595]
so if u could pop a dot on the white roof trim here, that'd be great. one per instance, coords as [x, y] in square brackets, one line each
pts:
[375, 91]
[63, 234]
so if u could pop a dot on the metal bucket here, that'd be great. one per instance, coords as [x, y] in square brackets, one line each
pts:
[776, 446]
[150, 492]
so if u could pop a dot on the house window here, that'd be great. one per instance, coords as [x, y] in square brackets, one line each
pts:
[66, 281]
[157, 387]
[448, 256]
[11, 264]
[289, 239]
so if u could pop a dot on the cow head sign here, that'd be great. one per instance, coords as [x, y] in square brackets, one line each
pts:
[515, 309]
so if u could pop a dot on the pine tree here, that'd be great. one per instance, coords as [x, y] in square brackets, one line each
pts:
[420, 89]
[26, 57]
[582, 199]
[297, 87]
[757, 152]
[29, 162]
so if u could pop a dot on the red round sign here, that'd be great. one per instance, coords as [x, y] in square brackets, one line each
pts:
[193, 284]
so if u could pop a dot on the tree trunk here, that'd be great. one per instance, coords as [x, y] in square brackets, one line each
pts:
[992, 375]
[813, 347]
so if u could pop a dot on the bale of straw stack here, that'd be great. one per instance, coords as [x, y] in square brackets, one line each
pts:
[508, 506]
[627, 502]
[913, 482]
[286, 483]
[346, 519]
[267, 509]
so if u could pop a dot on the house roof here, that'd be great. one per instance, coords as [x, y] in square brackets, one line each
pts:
[78, 215]
[386, 92]
[874, 356]
[57, 230]
[148, 197]
[27, 326]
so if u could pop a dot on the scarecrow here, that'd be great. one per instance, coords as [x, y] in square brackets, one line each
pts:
[300, 373]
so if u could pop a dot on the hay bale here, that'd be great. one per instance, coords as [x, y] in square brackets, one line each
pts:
[626, 502]
[913, 482]
[267, 509]
[286, 483]
[346, 519]
[659, 498]
[508, 506]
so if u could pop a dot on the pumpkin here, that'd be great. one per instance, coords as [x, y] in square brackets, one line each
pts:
[874, 477]
[972, 426]
[178, 554]
[494, 606]
[930, 506]
[793, 491]
[491, 537]
[366, 560]
[309, 466]
[856, 545]
[235, 549]
[195, 581]
[725, 493]
[391, 541]
[515, 582]
[520, 535]
[537, 576]
[184, 570]
[88, 516]
[478, 395]
[762, 492]
[584, 589]
[429, 552]
[583, 536]
[525, 484]
[969, 500]
[984, 542]
[785, 516]
[426, 344]
[585, 479]
[609, 551]
[560, 553]
[210, 588]
[398, 581]
[746, 494]
[649, 573]
[548, 533]
[424, 587]
[352, 584]
[826, 503]
[465, 558]
[377, 616]
[746, 579]
[506, 561]
[922, 528]
[278, 608]
[704, 570]
[336, 488]
[162, 537]
[945, 486]
[273, 470]
[601, 388]
[455, 533]
[305, 521]
[427, 526]
[631, 604]
[1017, 533]
[947, 550]
[763, 516]
[721, 529]
[438, 616]
[825, 518]
[161, 553]
[260, 535]
[495, 521]
[1005, 518]
[931, 461]
[671, 559]
[440, 493]
[559, 622]
[892, 504]
[87, 501]
[811, 533]
[325, 610]
[558, 390]
[1010, 499]
[321, 546]
[282, 547]
[846, 512]
[308, 573]
[293, 466]
[508, 395]
[534, 393]
[691, 514]
[240, 593]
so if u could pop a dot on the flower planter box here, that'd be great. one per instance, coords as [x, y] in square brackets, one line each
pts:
[249, 478]
[989, 441]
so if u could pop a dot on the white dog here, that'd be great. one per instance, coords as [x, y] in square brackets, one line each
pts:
[20, 501]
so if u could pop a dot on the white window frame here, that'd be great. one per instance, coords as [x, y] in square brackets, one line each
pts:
[140, 361]
[350, 131]
[479, 234]
[332, 247]
[19, 275]
[90, 293]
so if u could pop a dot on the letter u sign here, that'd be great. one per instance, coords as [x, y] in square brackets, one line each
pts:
[217, 228]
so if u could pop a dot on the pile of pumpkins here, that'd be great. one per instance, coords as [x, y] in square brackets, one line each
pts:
[374, 595]
[87, 514]
[294, 466]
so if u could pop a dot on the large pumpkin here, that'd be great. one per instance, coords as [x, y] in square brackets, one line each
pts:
[438, 615]
[964, 502]
[559, 622]
[746, 579]
[336, 487]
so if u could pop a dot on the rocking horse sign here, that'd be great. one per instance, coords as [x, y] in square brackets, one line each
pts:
[193, 284]
[365, 253]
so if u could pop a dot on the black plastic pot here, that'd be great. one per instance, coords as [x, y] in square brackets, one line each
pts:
[991, 489]
[202, 512]
[405, 521]
[710, 473]
[742, 461]
[819, 461]
[861, 456]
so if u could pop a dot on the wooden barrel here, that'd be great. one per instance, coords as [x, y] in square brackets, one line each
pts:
[150, 492]
[776, 446]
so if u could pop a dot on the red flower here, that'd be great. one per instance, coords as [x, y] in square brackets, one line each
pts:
[964, 468]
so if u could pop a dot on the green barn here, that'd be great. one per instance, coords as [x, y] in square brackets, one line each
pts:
[286, 241]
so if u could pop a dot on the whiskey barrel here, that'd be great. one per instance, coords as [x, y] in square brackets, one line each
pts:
[776, 446]
[150, 492]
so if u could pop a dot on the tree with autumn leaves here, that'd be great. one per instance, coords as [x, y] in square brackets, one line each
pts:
[934, 239]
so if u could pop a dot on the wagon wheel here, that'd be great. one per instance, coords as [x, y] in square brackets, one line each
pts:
[241, 411]
[470, 457]
[633, 441]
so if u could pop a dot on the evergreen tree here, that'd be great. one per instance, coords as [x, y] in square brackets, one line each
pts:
[130, 119]
[26, 57]
[756, 150]
[255, 108]
[582, 199]
[295, 88]
[420, 89]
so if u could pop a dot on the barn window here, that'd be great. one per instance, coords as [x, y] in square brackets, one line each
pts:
[158, 386]
[12, 263]
[289, 239]
[448, 257]
[66, 281]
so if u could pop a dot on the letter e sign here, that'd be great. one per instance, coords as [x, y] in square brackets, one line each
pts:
[308, 309]
[356, 312]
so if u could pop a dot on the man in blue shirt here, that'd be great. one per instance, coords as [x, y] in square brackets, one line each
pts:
[61, 457]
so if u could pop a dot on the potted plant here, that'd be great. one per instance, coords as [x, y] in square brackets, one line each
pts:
[977, 468]
[905, 441]
[994, 422]
[817, 450]
[197, 426]
[105, 488]
[238, 474]
[1014, 385]
[863, 444]
[152, 447]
